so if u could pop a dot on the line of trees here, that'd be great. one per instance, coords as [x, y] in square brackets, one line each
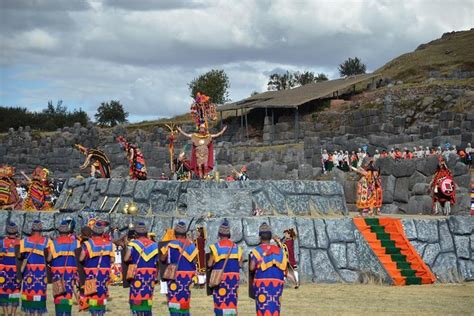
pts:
[289, 80]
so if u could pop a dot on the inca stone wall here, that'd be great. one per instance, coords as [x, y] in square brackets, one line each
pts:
[328, 250]
[201, 198]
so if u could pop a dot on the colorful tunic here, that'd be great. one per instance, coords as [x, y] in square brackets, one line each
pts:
[366, 195]
[179, 294]
[64, 266]
[9, 285]
[226, 294]
[39, 196]
[33, 295]
[8, 194]
[271, 264]
[144, 253]
[95, 249]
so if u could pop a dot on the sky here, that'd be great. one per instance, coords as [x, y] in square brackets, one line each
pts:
[145, 52]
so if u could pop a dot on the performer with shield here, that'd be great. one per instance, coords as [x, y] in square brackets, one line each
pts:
[269, 263]
[443, 189]
[10, 286]
[64, 269]
[33, 271]
[225, 261]
[141, 257]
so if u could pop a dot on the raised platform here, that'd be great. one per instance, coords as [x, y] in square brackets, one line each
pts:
[206, 198]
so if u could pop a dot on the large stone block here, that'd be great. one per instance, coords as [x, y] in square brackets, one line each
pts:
[419, 247]
[445, 237]
[298, 204]
[419, 204]
[461, 225]
[427, 230]
[307, 236]
[466, 268]
[352, 256]
[430, 253]
[404, 168]
[427, 166]
[388, 186]
[463, 181]
[305, 265]
[251, 226]
[143, 190]
[226, 202]
[401, 193]
[3, 222]
[338, 252]
[340, 230]
[350, 189]
[410, 228]
[445, 267]
[322, 240]
[462, 244]
[324, 271]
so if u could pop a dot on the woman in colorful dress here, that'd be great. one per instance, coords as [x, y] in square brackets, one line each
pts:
[63, 266]
[269, 263]
[135, 159]
[143, 252]
[367, 190]
[226, 293]
[39, 191]
[97, 256]
[32, 255]
[182, 253]
[9, 284]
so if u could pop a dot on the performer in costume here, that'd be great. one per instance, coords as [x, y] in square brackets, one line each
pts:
[202, 155]
[369, 190]
[32, 254]
[288, 243]
[226, 293]
[9, 198]
[64, 267]
[96, 159]
[39, 191]
[200, 243]
[443, 189]
[167, 237]
[183, 168]
[98, 256]
[135, 159]
[183, 253]
[269, 263]
[142, 252]
[9, 283]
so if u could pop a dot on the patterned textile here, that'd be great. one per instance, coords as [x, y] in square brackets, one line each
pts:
[33, 295]
[271, 264]
[366, 192]
[8, 193]
[226, 294]
[64, 266]
[95, 248]
[441, 176]
[144, 253]
[179, 294]
[39, 196]
[9, 285]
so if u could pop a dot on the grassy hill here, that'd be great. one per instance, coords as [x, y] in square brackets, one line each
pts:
[453, 51]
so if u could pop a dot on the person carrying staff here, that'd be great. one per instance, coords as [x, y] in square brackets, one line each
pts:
[225, 256]
[269, 263]
[9, 284]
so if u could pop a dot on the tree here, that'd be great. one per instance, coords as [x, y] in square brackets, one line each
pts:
[215, 84]
[352, 66]
[281, 81]
[321, 77]
[111, 114]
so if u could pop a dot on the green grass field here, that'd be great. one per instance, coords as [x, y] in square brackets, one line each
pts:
[332, 299]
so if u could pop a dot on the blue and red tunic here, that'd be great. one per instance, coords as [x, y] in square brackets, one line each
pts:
[271, 263]
[96, 248]
[144, 253]
[179, 294]
[226, 293]
[9, 285]
[33, 295]
[63, 266]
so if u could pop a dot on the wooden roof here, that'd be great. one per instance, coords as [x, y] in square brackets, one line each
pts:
[295, 97]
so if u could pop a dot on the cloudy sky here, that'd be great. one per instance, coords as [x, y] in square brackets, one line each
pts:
[144, 52]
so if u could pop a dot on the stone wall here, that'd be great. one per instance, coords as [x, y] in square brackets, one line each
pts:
[328, 250]
[200, 198]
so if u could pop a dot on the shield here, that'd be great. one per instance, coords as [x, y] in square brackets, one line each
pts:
[447, 186]
[208, 275]
[251, 279]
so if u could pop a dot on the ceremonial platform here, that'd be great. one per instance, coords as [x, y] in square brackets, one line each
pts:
[330, 246]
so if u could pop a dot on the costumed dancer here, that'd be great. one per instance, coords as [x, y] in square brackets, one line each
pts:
[200, 243]
[98, 256]
[269, 264]
[96, 159]
[367, 186]
[39, 191]
[33, 269]
[62, 256]
[181, 254]
[288, 243]
[9, 197]
[142, 254]
[183, 168]
[227, 256]
[9, 284]
[135, 159]
[443, 189]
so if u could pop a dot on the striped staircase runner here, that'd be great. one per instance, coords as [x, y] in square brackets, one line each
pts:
[472, 192]
[387, 240]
